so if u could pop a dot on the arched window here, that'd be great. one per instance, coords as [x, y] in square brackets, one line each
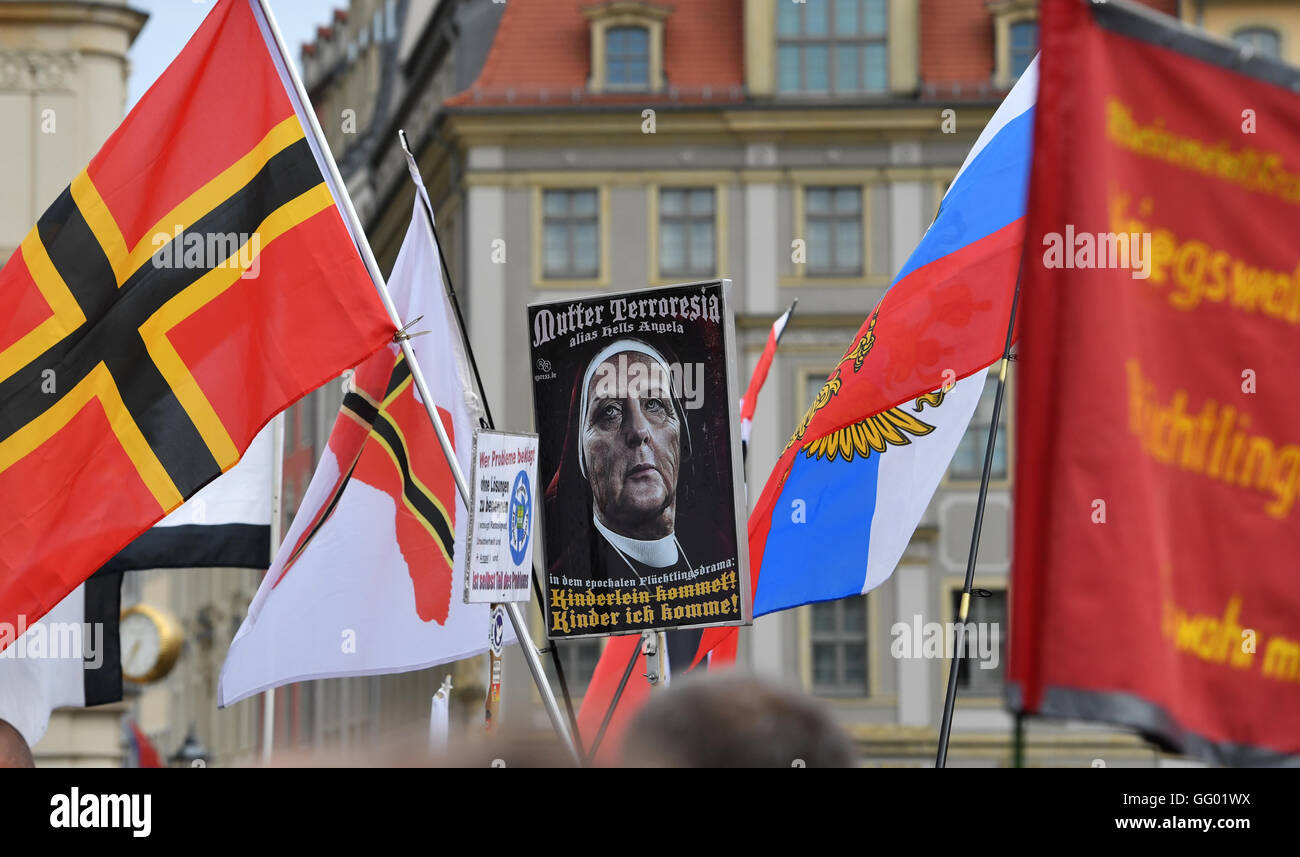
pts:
[1263, 40]
[627, 58]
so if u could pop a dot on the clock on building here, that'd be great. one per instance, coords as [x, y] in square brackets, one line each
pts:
[151, 643]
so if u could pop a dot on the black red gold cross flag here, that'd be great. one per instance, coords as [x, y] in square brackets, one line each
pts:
[194, 280]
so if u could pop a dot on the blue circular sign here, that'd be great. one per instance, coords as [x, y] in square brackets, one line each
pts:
[497, 631]
[521, 517]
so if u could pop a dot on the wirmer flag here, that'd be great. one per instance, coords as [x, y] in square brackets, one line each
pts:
[853, 482]
[195, 279]
[368, 580]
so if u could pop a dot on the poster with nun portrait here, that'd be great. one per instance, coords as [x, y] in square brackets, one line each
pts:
[639, 467]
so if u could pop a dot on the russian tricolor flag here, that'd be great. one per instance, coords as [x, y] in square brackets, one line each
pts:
[844, 499]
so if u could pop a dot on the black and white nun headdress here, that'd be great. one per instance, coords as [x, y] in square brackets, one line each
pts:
[615, 348]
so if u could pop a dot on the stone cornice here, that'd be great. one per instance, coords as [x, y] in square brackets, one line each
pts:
[73, 12]
[775, 123]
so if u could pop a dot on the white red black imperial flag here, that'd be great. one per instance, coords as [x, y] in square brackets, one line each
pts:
[195, 279]
[377, 547]
[226, 525]
[71, 658]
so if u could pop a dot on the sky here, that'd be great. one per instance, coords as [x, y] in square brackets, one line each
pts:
[172, 22]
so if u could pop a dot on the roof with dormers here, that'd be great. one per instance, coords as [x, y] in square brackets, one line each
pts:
[542, 56]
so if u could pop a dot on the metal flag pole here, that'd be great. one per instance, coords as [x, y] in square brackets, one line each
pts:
[450, 288]
[277, 493]
[618, 694]
[372, 266]
[1018, 741]
[414, 169]
[950, 700]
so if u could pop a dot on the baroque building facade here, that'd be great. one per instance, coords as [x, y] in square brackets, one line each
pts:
[801, 150]
[575, 146]
[666, 142]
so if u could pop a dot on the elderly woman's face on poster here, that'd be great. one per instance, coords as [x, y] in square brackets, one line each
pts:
[631, 445]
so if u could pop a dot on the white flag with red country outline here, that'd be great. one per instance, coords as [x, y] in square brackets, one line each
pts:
[368, 580]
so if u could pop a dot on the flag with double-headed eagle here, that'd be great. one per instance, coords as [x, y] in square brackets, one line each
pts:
[369, 578]
[194, 280]
[854, 480]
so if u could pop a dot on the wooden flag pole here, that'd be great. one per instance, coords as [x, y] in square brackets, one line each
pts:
[277, 495]
[368, 256]
[950, 700]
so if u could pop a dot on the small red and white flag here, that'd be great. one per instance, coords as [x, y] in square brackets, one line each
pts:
[146, 754]
[750, 400]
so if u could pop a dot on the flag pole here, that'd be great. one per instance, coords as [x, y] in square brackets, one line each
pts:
[344, 200]
[618, 694]
[422, 193]
[414, 169]
[950, 701]
[277, 493]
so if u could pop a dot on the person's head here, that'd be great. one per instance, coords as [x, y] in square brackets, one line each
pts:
[630, 440]
[734, 721]
[14, 752]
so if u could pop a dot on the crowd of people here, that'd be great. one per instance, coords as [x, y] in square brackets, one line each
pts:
[730, 720]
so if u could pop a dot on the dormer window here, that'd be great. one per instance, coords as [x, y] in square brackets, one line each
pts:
[627, 58]
[1262, 40]
[627, 46]
[1015, 38]
[1024, 46]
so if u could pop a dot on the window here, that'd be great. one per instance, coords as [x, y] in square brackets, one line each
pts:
[1024, 46]
[968, 461]
[832, 46]
[627, 51]
[627, 45]
[1262, 40]
[390, 26]
[579, 658]
[990, 618]
[686, 232]
[570, 233]
[839, 647]
[833, 221]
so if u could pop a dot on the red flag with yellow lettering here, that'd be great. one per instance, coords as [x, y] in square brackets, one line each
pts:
[194, 280]
[1158, 461]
